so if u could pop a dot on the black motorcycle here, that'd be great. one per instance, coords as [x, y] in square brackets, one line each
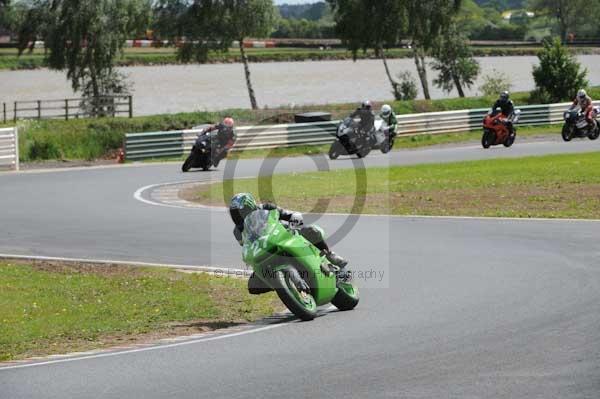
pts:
[350, 140]
[205, 153]
[576, 126]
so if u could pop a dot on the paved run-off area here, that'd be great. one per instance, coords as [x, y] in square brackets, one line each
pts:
[466, 308]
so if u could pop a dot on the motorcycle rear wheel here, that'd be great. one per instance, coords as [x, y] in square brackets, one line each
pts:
[594, 133]
[302, 304]
[346, 298]
[510, 140]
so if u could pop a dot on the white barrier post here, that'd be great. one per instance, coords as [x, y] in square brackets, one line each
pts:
[16, 148]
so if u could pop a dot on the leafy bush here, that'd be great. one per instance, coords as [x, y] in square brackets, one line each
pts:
[495, 83]
[406, 89]
[41, 148]
[559, 75]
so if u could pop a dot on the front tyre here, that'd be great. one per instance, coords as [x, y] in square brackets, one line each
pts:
[567, 132]
[288, 285]
[187, 165]
[387, 145]
[347, 297]
[336, 150]
[488, 139]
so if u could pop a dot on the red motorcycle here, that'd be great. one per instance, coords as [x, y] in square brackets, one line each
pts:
[497, 129]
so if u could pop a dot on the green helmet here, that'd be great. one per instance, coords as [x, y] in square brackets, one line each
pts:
[241, 205]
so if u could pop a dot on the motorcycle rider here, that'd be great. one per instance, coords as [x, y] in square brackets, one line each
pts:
[242, 204]
[387, 114]
[506, 106]
[367, 118]
[585, 104]
[225, 138]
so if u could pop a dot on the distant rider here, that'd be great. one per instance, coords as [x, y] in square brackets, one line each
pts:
[367, 118]
[585, 104]
[225, 138]
[388, 116]
[243, 204]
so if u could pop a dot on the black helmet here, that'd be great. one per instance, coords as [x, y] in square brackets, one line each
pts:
[241, 205]
[504, 96]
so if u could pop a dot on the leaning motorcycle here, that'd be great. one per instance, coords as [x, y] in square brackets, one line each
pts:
[576, 125]
[284, 261]
[498, 131]
[349, 140]
[203, 154]
[384, 136]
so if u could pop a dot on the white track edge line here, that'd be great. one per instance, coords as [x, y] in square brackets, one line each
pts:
[151, 348]
[138, 196]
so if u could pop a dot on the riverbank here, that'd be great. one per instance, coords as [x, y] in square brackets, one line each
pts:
[9, 59]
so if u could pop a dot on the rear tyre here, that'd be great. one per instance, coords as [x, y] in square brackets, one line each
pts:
[347, 297]
[487, 139]
[187, 165]
[594, 133]
[363, 152]
[510, 140]
[297, 300]
[567, 132]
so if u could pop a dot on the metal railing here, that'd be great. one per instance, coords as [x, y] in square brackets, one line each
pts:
[9, 148]
[68, 108]
[139, 146]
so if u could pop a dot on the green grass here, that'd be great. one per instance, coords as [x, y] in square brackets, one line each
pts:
[47, 309]
[556, 186]
[164, 56]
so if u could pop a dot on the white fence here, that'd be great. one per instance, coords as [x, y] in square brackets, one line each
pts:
[9, 148]
[176, 143]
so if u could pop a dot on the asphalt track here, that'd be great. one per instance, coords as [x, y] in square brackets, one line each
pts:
[466, 308]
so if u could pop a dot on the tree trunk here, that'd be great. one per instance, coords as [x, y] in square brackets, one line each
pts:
[389, 74]
[247, 72]
[421, 70]
[458, 86]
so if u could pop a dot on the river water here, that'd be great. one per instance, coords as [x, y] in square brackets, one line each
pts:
[182, 88]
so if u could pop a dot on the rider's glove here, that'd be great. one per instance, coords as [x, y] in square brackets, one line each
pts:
[296, 219]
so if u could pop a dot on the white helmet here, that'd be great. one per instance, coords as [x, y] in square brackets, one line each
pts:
[581, 93]
[386, 110]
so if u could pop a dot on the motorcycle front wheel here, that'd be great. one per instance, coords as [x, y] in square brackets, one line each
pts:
[189, 162]
[336, 150]
[488, 139]
[567, 132]
[387, 145]
[295, 298]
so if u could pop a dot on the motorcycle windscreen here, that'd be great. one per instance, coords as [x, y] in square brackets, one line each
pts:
[255, 226]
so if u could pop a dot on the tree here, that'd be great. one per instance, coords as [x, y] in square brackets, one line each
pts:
[559, 75]
[214, 24]
[566, 12]
[364, 24]
[454, 61]
[426, 21]
[84, 37]
[250, 18]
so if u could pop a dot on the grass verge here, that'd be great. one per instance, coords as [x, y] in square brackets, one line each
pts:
[48, 308]
[556, 186]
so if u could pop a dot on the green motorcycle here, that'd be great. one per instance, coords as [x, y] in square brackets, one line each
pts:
[287, 263]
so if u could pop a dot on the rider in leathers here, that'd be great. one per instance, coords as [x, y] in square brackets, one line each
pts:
[585, 104]
[225, 138]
